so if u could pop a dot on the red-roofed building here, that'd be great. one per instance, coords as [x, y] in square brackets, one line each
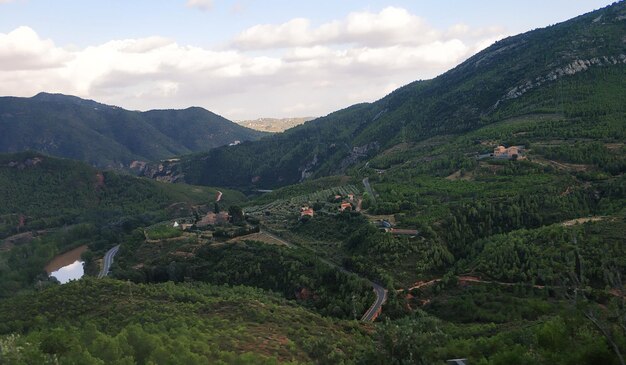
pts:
[307, 212]
[513, 152]
[345, 206]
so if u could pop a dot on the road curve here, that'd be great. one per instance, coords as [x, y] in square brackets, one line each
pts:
[108, 260]
[381, 298]
[381, 293]
[368, 188]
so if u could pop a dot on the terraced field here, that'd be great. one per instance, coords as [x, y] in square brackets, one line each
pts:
[281, 209]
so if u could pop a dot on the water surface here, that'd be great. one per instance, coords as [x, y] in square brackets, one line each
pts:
[67, 266]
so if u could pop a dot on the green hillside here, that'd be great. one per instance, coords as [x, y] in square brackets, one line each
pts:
[108, 136]
[112, 322]
[51, 205]
[496, 255]
[542, 71]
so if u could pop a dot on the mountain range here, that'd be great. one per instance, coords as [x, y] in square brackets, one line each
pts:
[273, 125]
[519, 75]
[486, 208]
[109, 136]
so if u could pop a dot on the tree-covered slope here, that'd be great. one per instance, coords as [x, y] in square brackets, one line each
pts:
[48, 192]
[104, 135]
[495, 84]
[51, 205]
[114, 322]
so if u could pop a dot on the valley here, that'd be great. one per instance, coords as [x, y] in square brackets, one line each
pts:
[477, 215]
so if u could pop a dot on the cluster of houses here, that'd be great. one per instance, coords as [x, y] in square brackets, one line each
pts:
[210, 219]
[346, 204]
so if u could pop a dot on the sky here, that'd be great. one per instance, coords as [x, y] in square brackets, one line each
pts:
[247, 59]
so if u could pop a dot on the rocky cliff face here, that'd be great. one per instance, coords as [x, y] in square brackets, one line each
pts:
[166, 171]
[570, 69]
[358, 153]
[29, 162]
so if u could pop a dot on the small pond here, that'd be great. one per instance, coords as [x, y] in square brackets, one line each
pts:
[67, 266]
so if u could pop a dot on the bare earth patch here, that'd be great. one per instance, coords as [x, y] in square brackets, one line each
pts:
[260, 236]
[458, 176]
[581, 220]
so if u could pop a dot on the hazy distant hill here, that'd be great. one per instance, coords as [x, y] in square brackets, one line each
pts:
[273, 124]
[104, 135]
[575, 69]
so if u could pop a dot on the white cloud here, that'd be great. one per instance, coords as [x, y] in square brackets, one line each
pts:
[22, 49]
[278, 70]
[390, 26]
[204, 5]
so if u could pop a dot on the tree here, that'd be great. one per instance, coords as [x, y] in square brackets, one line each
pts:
[236, 214]
[611, 321]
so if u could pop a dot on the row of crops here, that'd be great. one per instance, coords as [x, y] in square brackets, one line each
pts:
[284, 207]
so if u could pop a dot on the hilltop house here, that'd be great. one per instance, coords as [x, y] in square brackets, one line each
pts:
[183, 226]
[510, 153]
[345, 206]
[306, 211]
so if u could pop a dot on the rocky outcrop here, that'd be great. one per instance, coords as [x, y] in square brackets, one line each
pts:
[357, 153]
[29, 162]
[164, 172]
[138, 165]
[570, 69]
[307, 169]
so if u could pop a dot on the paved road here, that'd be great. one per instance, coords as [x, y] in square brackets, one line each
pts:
[381, 293]
[368, 188]
[108, 260]
[381, 298]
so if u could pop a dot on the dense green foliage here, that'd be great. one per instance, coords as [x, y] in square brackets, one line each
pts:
[53, 205]
[103, 135]
[51, 192]
[294, 274]
[499, 261]
[112, 322]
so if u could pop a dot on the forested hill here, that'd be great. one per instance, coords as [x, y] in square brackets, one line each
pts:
[108, 136]
[50, 192]
[541, 71]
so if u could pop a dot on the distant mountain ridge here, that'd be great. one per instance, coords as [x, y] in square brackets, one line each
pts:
[515, 76]
[109, 136]
[273, 125]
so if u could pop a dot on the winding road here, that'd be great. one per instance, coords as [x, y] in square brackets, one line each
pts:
[108, 260]
[374, 310]
[368, 188]
[381, 293]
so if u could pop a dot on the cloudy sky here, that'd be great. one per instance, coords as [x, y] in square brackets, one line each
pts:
[247, 59]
